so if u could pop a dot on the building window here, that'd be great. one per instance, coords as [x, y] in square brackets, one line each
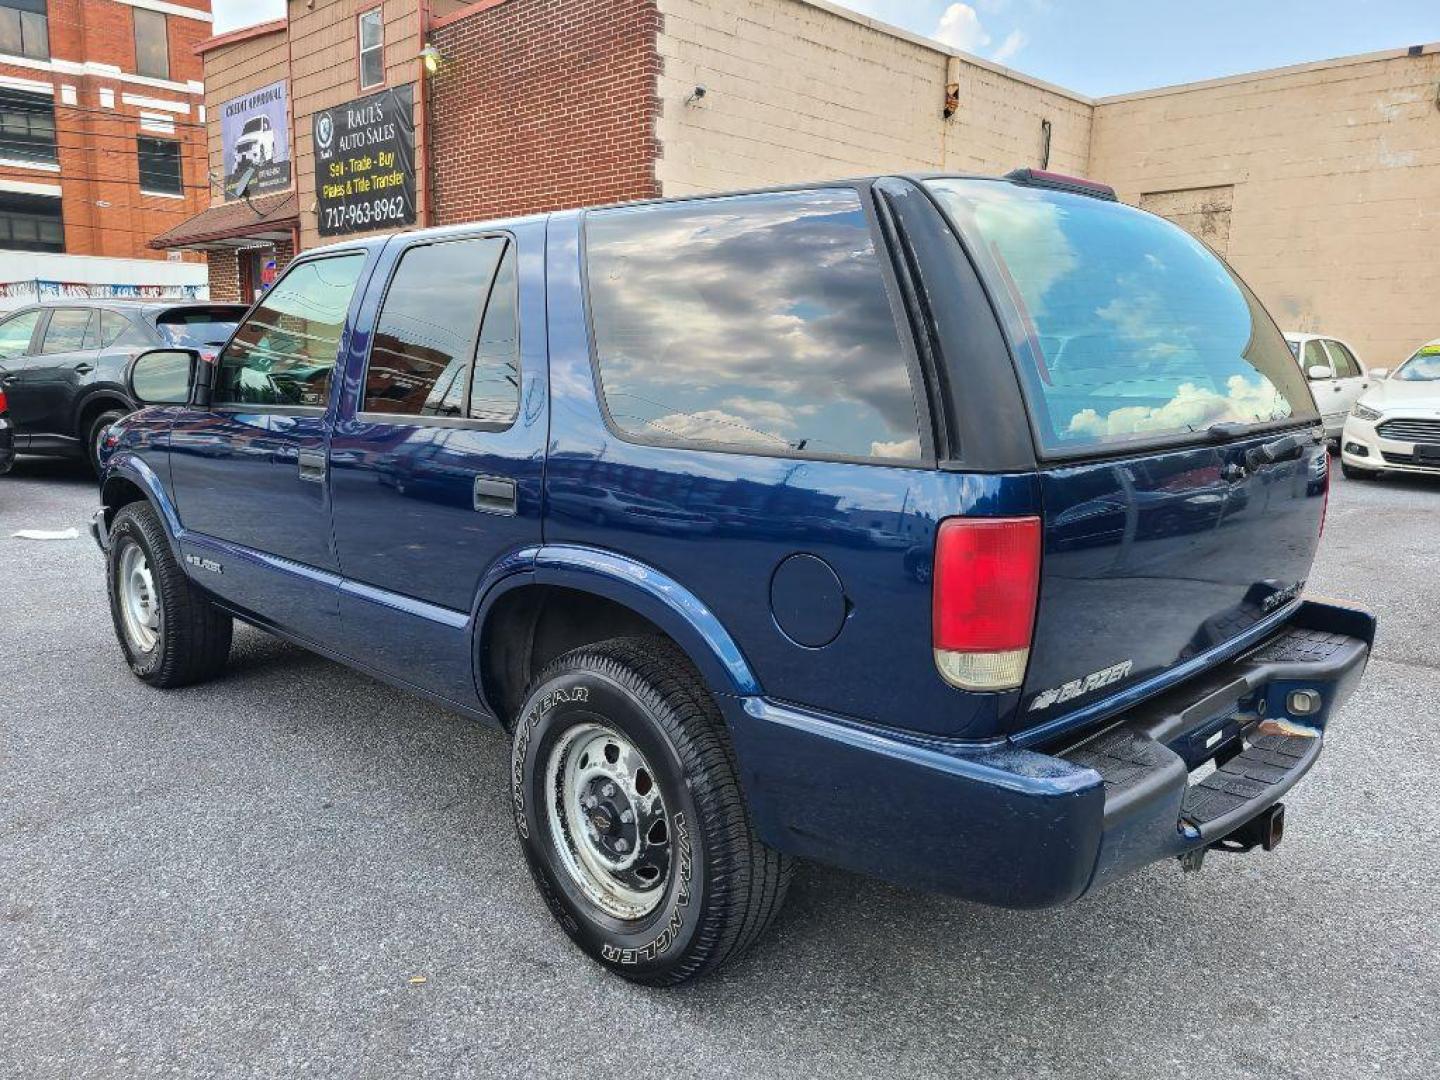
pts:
[372, 48]
[30, 223]
[27, 127]
[159, 167]
[24, 29]
[152, 44]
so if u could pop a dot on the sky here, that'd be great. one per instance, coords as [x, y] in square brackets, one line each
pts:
[1100, 47]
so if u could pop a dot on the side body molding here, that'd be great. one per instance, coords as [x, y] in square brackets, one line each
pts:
[659, 598]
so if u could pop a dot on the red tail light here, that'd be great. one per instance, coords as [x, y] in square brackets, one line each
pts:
[987, 584]
[4, 405]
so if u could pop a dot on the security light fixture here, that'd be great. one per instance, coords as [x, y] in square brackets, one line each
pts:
[431, 57]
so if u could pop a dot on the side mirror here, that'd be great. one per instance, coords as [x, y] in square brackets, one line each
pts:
[1316, 372]
[164, 376]
[1379, 372]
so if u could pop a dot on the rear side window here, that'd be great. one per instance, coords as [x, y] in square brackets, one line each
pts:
[117, 327]
[755, 323]
[285, 352]
[67, 330]
[436, 344]
[1125, 327]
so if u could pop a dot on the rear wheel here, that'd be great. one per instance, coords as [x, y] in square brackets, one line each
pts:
[95, 435]
[1354, 472]
[628, 805]
[170, 632]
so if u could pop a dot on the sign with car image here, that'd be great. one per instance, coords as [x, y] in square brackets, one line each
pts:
[255, 135]
[365, 163]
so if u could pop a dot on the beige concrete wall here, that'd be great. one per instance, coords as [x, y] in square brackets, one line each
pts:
[1334, 171]
[799, 90]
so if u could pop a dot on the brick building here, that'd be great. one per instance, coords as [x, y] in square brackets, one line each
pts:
[1321, 182]
[102, 143]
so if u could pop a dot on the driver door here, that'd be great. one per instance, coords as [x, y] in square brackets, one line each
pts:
[249, 473]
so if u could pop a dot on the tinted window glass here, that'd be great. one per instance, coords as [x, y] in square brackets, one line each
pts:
[27, 127]
[15, 334]
[197, 328]
[1346, 366]
[66, 332]
[426, 335]
[24, 29]
[495, 385]
[757, 322]
[285, 352]
[1124, 325]
[152, 48]
[115, 326]
[1315, 356]
[160, 170]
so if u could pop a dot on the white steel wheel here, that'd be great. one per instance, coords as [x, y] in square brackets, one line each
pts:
[139, 599]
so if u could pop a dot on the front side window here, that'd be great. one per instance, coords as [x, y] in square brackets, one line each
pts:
[31, 223]
[24, 29]
[15, 334]
[758, 323]
[1124, 326]
[1315, 357]
[372, 48]
[27, 127]
[152, 44]
[1346, 366]
[285, 352]
[445, 333]
[68, 331]
[160, 169]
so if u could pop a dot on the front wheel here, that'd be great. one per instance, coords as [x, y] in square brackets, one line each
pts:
[171, 633]
[628, 804]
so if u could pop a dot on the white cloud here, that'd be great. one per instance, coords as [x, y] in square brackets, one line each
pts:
[960, 27]
[233, 14]
[1013, 43]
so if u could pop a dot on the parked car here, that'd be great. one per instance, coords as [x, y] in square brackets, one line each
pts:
[63, 364]
[7, 436]
[854, 367]
[1395, 427]
[1337, 376]
[256, 144]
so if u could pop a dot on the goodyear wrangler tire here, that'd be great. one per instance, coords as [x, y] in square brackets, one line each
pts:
[170, 632]
[629, 810]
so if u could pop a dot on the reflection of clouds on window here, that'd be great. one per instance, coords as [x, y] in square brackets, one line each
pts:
[1124, 324]
[1192, 408]
[759, 322]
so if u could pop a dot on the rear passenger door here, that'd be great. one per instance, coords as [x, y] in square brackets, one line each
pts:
[51, 379]
[437, 458]
[16, 335]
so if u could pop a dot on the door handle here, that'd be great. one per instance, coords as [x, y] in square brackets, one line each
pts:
[84, 369]
[494, 495]
[312, 465]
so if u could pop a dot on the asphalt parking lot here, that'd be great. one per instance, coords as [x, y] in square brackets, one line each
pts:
[249, 879]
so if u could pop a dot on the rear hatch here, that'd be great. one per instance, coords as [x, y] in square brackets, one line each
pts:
[1182, 484]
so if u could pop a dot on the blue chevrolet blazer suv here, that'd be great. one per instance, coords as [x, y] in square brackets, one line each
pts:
[952, 530]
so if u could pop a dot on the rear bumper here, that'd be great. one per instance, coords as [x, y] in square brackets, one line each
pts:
[1023, 829]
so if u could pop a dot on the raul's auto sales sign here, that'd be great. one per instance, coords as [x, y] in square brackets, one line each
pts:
[365, 163]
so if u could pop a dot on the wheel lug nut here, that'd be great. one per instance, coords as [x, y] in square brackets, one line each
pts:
[608, 790]
[627, 817]
[591, 802]
[622, 845]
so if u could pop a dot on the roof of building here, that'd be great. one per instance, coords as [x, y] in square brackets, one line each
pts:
[245, 33]
[235, 224]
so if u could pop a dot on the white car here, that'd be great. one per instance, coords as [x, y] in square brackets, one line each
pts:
[1395, 427]
[1337, 377]
[256, 144]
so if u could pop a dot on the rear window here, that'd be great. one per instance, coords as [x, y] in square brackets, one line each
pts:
[1125, 327]
[758, 323]
[197, 328]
